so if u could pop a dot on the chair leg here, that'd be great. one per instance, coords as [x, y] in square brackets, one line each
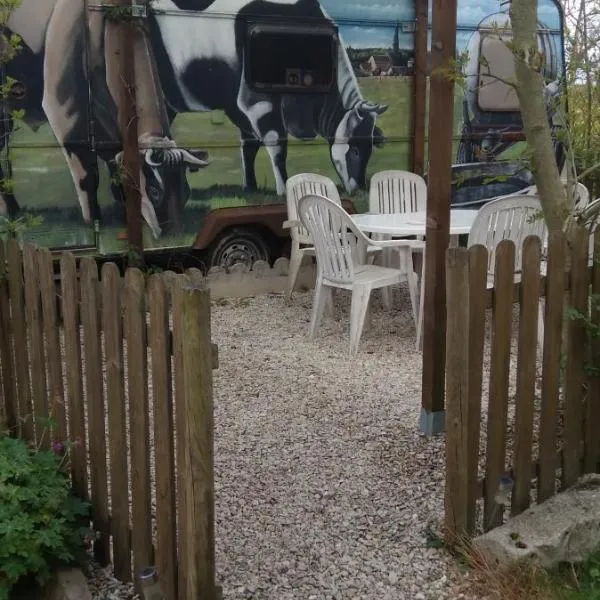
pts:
[358, 311]
[319, 302]
[413, 291]
[296, 257]
[387, 292]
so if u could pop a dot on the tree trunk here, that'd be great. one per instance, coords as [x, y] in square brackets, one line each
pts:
[530, 91]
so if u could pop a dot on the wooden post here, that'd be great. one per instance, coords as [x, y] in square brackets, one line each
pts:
[420, 88]
[198, 480]
[457, 382]
[441, 111]
[128, 121]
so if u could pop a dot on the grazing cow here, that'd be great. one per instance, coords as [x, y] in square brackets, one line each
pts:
[201, 66]
[54, 84]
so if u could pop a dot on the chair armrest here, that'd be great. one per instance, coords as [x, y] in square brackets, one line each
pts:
[399, 243]
[290, 224]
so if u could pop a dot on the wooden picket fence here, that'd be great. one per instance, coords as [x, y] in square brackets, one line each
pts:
[132, 395]
[551, 440]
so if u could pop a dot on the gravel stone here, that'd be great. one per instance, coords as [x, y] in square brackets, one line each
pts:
[324, 487]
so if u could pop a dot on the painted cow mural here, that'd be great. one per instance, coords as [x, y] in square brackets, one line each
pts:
[217, 128]
[52, 75]
[195, 75]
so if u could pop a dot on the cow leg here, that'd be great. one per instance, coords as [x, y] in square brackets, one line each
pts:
[83, 165]
[250, 148]
[276, 145]
[65, 95]
[264, 115]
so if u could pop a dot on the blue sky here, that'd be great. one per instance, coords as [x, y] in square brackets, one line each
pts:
[380, 15]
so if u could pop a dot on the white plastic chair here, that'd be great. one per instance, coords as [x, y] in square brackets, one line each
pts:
[396, 191]
[582, 194]
[509, 218]
[513, 217]
[297, 187]
[341, 249]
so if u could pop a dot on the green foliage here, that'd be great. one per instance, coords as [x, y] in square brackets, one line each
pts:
[577, 582]
[127, 13]
[40, 520]
[592, 331]
[12, 228]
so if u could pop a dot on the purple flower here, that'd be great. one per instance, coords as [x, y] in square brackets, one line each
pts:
[58, 448]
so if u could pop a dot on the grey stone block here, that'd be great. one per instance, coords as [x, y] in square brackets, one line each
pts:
[565, 528]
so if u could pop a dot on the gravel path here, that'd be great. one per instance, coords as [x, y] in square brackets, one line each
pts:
[325, 489]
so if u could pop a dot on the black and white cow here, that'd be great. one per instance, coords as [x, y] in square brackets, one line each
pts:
[60, 87]
[201, 66]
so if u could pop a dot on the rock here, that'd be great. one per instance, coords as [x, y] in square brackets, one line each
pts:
[68, 584]
[565, 528]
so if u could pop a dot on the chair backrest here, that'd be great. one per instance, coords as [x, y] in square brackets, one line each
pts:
[582, 194]
[302, 185]
[509, 218]
[397, 192]
[335, 237]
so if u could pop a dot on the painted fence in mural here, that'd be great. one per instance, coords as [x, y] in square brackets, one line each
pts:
[516, 436]
[122, 367]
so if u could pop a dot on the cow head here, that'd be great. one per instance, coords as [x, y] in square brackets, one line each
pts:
[163, 182]
[355, 136]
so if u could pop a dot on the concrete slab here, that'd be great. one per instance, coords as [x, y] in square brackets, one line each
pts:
[565, 528]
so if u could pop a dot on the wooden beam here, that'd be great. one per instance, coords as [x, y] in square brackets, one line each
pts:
[441, 110]
[419, 88]
[127, 34]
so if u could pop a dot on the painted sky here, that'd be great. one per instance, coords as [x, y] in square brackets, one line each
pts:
[380, 15]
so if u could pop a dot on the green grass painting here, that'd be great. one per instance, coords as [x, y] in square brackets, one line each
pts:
[43, 184]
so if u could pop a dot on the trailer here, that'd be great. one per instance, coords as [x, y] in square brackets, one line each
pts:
[234, 96]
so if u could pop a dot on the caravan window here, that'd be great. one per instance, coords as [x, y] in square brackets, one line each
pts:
[291, 58]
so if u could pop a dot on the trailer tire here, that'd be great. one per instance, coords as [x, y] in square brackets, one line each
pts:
[239, 244]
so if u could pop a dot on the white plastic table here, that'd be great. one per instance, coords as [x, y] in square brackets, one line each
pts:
[400, 224]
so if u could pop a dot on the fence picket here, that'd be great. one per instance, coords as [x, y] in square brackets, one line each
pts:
[176, 284]
[53, 349]
[19, 323]
[70, 314]
[592, 416]
[36, 346]
[9, 384]
[526, 371]
[478, 260]
[576, 357]
[166, 528]
[457, 393]
[137, 376]
[553, 328]
[499, 372]
[199, 473]
[95, 406]
[112, 325]
[575, 377]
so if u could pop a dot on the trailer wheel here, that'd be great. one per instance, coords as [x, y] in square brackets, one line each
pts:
[239, 245]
